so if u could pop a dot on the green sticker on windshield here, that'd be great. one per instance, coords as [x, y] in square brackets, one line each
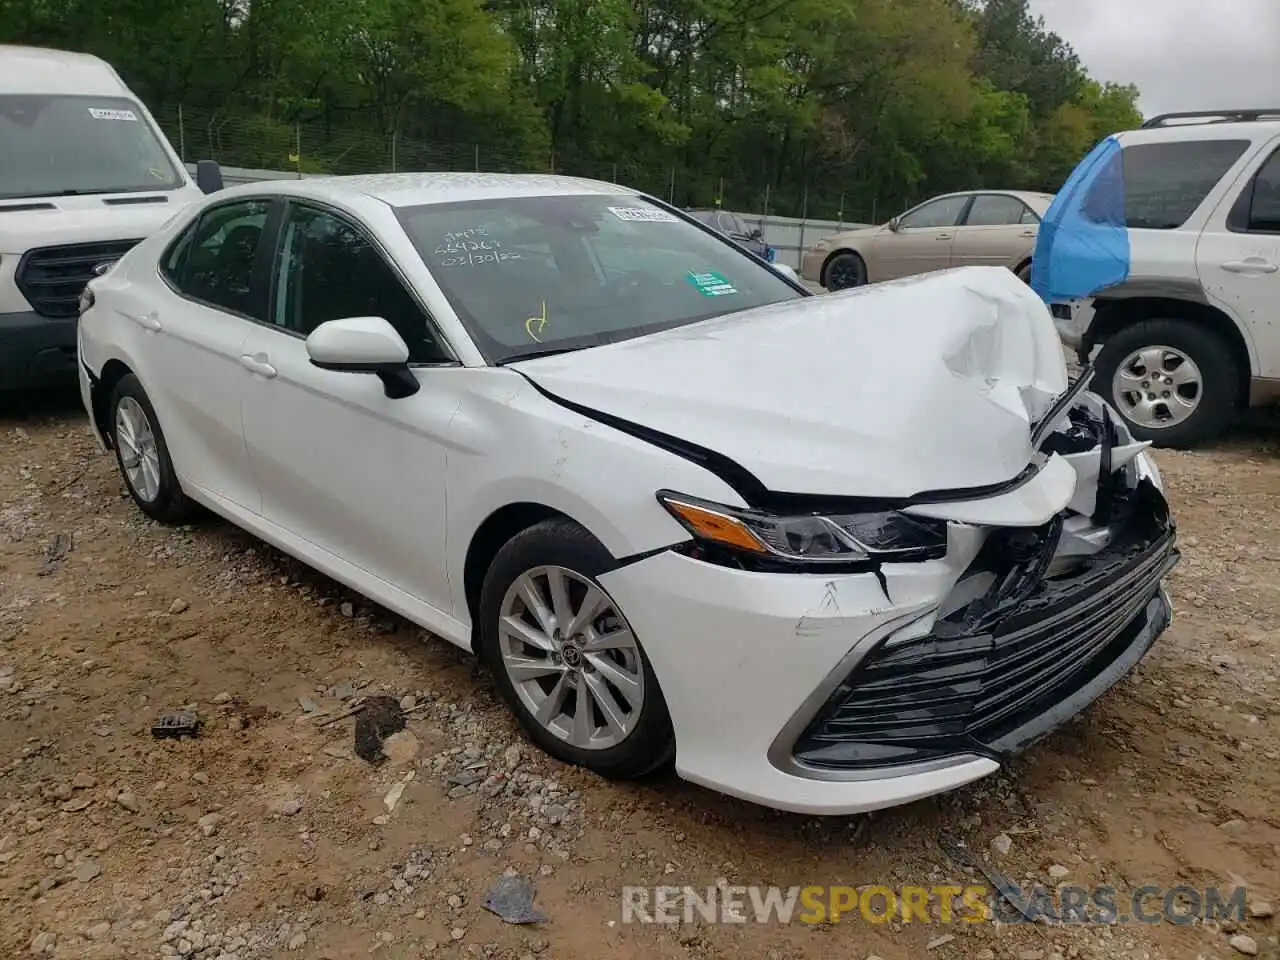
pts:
[711, 284]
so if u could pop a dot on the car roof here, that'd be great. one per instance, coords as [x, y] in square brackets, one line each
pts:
[1201, 130]
[40, 70]
[415, 189]
[1031, 198]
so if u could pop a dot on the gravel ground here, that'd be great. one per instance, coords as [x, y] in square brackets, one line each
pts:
[266, 837]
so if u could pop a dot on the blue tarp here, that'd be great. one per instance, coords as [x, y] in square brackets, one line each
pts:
[1083, 245]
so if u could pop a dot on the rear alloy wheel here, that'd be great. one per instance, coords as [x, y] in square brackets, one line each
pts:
[1175, 382]
[566, 660]
[143, 456]
[844, 271]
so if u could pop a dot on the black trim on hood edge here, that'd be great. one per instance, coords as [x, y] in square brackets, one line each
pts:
[742, 480]
[748, 486]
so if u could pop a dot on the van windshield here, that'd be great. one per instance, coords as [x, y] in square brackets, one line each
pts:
[61, 145]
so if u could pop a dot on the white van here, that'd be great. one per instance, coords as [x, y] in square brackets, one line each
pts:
[85, 173]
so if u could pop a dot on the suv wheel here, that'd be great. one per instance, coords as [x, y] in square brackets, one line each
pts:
[1175, 382]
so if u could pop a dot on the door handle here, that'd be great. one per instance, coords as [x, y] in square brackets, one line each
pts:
[258, 365]
[944, 236]
[1251, 265]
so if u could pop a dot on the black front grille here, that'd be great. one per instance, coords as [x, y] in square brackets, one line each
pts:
[992, 673]
[52, 278]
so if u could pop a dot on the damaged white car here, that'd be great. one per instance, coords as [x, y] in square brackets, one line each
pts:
[828, 554]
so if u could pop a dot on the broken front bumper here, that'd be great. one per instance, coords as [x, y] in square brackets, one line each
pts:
[1025, 655]
[838, 694]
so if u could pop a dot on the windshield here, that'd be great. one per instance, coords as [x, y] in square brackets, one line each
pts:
[59, 144]
[529, 275]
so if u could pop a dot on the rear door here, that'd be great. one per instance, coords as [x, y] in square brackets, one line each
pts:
[921, 243]
[215, 279]
[999, 230]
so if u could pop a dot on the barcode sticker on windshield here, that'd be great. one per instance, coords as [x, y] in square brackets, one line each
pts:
[643, 215]
[100, 114]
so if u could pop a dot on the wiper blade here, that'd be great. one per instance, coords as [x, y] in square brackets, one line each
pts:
[69, 192]
[76, 192]
[535, 354]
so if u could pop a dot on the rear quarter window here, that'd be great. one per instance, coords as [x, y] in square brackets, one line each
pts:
[1164, 183]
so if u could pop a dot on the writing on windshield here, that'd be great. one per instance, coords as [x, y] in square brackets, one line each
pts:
[543, 273]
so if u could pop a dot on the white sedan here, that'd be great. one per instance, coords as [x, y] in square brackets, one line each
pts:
[828, 554]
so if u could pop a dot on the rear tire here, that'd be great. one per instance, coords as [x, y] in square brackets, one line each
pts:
[549, 667]
[1024, 273]
[1175, 382]
[143, 455]
[844, 271]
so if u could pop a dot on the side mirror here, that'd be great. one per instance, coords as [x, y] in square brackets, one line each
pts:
[786, 271]
[209, 176]
[364, 345]
[757, 233]
[895, 224]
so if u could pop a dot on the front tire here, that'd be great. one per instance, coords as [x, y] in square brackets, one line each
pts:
[1175, 382]
[844, 271]
[565, 659]
[143, 455]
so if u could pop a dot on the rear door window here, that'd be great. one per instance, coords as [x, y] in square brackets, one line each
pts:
[996, 210]
[1164, 183]
[216, 261]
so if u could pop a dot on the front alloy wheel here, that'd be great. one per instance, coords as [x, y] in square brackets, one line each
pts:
[571, 658]
[564, 657]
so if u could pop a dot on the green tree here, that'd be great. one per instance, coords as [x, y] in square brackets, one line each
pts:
[833, 107]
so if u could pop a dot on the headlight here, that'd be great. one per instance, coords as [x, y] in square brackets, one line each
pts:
[810, 538]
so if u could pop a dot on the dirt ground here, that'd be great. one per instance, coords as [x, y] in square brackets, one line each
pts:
[266, 837]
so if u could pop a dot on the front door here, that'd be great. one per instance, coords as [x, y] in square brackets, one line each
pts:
[1238, 259]
[922, 241]
[338, 463]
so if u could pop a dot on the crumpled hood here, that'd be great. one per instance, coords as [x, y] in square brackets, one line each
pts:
[892, 390]
[85, 219]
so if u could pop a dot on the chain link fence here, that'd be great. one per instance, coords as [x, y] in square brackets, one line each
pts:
[341, 146]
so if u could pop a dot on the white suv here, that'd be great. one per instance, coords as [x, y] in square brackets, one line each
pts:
[1162, 255]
